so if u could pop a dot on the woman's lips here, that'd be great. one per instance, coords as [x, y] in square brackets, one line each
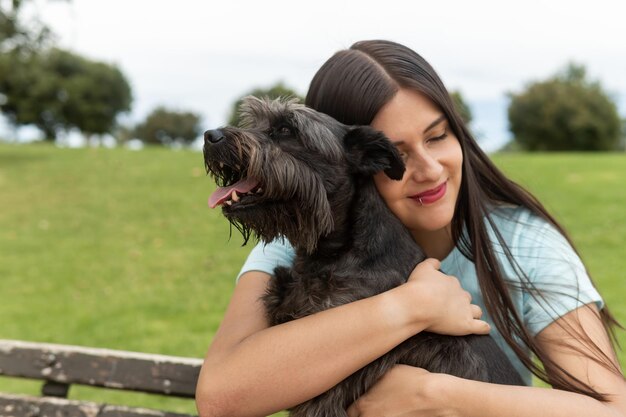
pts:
[430, 196]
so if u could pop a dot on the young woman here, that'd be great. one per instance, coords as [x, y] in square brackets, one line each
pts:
[488, 241]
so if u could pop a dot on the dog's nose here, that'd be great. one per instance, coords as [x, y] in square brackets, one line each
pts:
[213, 136]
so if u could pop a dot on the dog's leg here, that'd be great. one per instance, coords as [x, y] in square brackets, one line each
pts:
[276, 296]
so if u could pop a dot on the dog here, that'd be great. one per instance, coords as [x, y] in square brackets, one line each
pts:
[295, 173]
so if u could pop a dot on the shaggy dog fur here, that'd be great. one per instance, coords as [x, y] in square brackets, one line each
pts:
[295, 173]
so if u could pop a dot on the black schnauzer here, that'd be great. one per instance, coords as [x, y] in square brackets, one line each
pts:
[295, 173]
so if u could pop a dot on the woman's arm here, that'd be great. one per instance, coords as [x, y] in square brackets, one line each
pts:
[576, 359]
[252, 369]
[436, 394]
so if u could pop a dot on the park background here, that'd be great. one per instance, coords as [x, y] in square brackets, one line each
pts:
[105, 246]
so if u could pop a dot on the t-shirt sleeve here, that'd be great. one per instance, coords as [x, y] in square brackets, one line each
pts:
[265, 257]
[557, 272]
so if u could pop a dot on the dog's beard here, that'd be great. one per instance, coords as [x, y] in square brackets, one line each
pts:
[224, 169]
[270, 220]
[293, 203]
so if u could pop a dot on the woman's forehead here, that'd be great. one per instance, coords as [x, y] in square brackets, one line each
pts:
[407, 112]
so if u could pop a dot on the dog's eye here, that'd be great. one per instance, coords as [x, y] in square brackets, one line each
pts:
[284, 131]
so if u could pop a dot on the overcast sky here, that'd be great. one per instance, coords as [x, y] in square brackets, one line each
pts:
[202, 55]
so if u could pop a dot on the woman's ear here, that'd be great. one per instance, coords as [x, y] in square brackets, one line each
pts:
[369, 151]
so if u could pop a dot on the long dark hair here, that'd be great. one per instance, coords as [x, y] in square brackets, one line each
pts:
[352, 86]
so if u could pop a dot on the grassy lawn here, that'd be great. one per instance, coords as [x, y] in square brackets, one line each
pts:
[586, 193]
[117, 249]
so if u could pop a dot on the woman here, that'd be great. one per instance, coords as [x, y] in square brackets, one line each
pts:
[473, 223]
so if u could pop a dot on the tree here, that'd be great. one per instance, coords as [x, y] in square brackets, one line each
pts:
[56, 89]
[94, 93]
[273, 92]
[30, 92]
[462, 107]
[165, 127]
[17, 34]
[565, 112]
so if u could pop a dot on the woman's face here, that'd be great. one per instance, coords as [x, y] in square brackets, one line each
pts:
[425, 198]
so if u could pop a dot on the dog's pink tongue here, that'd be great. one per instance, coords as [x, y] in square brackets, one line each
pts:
[222, 193]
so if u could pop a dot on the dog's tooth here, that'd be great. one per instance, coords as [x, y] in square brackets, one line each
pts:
[221, 165]
[228, 202]
[259, 190]
[234, 196]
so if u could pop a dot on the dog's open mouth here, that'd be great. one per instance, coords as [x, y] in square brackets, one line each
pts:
[239, 192]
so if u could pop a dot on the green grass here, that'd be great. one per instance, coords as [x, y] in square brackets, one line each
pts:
[117, 249]
[587, 195]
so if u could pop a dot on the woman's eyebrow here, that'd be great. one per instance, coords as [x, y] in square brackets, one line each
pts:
[430, 126]
[435, 123]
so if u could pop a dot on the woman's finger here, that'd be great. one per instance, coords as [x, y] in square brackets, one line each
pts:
[481, 327]
[477, 312]
[433, 262]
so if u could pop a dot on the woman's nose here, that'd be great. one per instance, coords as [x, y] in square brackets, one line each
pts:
[424, 167]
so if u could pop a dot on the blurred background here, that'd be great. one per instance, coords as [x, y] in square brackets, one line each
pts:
[105, 236]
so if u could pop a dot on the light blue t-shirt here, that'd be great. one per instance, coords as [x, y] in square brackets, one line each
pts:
[542, 253]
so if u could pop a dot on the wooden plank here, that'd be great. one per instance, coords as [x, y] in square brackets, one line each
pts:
[24, 406]
[160, 374]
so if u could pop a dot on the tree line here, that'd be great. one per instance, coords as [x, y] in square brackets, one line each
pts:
[57, 90]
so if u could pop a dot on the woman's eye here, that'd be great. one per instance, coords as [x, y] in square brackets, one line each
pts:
[440, 137]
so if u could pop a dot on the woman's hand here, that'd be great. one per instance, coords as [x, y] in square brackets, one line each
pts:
[405, 391]
[440, 303]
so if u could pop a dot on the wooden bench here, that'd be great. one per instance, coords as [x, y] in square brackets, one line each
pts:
[60, 366]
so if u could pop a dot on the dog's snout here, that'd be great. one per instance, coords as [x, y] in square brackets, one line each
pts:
[213, 136]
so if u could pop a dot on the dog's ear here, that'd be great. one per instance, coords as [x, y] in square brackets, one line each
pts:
[369, 151]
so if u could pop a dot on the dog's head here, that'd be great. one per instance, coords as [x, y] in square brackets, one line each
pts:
[283, 171]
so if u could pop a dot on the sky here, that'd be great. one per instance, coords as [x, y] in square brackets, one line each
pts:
[203, 55]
